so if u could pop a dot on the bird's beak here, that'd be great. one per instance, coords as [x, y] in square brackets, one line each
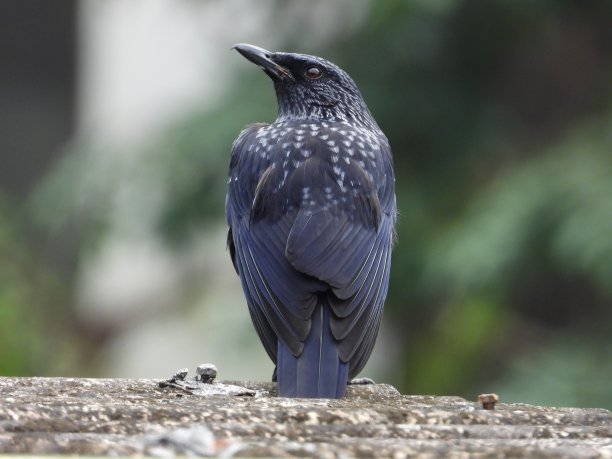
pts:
[263, 58]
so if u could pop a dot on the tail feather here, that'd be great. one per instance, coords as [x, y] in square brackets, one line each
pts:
[317, 371]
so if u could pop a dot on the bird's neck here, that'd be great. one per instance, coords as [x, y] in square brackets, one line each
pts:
[330, 113]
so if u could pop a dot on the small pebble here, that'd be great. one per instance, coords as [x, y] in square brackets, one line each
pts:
[180, 375]
[206, 373]
[488, 401]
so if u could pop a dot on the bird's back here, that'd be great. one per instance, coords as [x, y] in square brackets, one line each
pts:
[316, 200]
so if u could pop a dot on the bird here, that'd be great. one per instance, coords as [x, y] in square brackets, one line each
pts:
[311, 211]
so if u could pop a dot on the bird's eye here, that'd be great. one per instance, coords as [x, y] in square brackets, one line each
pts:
[313, 73]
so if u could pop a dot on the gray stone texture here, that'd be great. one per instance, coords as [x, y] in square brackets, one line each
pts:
[135, 417]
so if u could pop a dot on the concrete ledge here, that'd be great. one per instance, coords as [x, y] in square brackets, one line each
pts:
[129, 417]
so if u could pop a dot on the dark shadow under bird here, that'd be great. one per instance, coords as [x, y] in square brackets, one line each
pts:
[311, 210]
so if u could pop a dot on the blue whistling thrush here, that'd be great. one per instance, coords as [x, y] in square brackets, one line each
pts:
[311, 210]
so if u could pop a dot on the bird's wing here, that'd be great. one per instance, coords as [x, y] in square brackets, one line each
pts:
[358, 316]
[280, 299]
[344, 238]
[359, 304]
[355, 260]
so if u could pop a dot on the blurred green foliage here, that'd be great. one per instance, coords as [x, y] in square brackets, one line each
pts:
[35, 331]
[194, 156]
[14, 323]
[499, 114]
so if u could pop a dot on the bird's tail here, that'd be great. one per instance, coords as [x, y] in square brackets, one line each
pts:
[317, 371]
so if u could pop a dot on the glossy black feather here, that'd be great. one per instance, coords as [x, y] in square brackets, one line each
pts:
[311, 209]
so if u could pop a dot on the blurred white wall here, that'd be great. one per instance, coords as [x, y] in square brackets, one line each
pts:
[145, 63]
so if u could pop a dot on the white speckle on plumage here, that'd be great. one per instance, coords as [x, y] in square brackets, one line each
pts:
[324, 137]
[299, 138]
[350, 151]
[335, 149]
[298, 145]
[306, 153]
[331, 143]
[360, 144]
[347, 143]
[335, 158]
[297, 163]
[373, 163]
[333, 129]
[300, 131]
[361, 164]
[257, 148]
[347, 160]
[337, 170]
[286, 145]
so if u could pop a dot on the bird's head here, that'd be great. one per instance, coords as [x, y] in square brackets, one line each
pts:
[309, 87]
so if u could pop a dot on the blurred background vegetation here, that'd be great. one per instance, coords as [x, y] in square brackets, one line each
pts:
[112, 184]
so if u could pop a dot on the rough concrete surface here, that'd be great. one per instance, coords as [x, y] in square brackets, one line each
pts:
[135, 417]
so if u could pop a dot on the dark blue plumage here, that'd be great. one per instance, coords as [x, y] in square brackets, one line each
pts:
[311, 210]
